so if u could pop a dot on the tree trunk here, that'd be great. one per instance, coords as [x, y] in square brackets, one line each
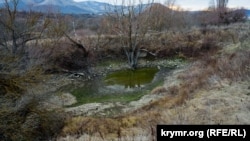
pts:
[133, 58]
[14, 43]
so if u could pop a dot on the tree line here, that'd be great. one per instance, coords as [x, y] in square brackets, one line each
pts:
[130, 22]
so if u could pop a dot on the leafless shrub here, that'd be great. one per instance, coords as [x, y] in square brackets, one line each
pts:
[22, 116]
[222, 16]
[25, 120]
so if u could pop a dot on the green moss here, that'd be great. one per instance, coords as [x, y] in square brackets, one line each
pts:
[125, 97]
[84, 97]
[93, 92]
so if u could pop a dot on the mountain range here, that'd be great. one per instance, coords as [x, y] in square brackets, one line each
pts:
[70, 6]
[64, 6]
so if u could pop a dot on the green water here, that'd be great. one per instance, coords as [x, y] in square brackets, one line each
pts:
[118, 86]
[131, 78]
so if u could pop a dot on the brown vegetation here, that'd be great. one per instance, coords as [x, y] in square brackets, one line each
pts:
[58, 57]
[21, 115]
[211, 69]
[218, 55]
[219, 14]
[192, 43]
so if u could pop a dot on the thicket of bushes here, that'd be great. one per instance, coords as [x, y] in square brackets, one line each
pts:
[22, 115]
[222, 17]
[188, 43]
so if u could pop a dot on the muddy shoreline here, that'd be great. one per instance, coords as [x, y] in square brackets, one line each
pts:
[63, 99]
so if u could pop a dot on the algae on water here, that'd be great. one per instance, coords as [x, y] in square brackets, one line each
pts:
[122, 86]
[131, 78]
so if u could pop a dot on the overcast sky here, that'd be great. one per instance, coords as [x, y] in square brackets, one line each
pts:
[187, 4]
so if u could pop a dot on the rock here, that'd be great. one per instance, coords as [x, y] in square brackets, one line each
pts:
[67, 99]
[64, 99]
[89, 109]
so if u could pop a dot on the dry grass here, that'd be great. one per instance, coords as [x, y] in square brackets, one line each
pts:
[213, 89]
[104, 127]
[225, 105]
[159, 90]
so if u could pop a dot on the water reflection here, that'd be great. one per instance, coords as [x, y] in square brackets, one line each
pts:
[131, 78]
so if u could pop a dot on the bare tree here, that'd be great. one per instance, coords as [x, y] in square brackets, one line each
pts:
[218, 4]
[130, 23]
[19, 27]
[222, 4]
[221, 10]
[221, 14]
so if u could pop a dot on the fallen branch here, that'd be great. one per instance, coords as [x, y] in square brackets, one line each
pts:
[151, 53]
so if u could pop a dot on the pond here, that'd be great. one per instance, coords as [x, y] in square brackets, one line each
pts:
[118, 86]
[129, 79]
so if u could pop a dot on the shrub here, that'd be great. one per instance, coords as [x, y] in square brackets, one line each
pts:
[24, 120]
[22, 116]
[222, 17]
[57, 56]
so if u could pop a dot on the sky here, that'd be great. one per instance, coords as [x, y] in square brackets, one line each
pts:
[187, 4]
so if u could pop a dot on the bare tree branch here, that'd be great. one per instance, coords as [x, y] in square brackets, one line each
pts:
[130, 22]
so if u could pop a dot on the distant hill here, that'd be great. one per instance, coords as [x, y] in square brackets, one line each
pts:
[72, 7]
[68, 6]
[64, 6]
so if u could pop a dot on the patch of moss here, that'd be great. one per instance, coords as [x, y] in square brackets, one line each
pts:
[90, 94]
[100, 91]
